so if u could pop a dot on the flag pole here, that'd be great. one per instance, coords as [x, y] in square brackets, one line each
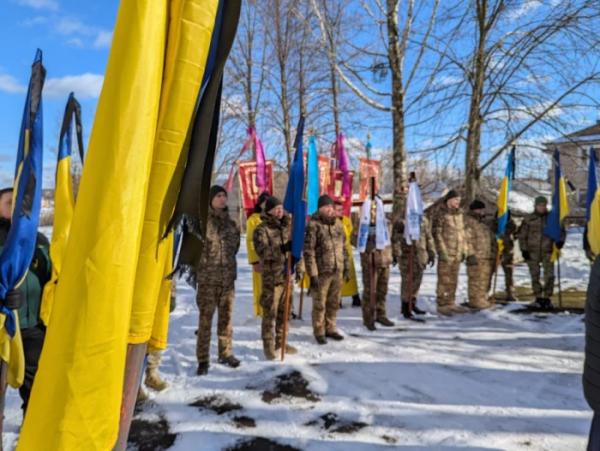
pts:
[132, 379]
[373, 276]
[559, 281]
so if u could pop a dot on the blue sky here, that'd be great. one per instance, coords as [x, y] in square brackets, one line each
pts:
[75, 37]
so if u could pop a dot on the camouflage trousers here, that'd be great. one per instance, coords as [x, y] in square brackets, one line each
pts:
[412, 276]
[209, 299]
[382, 277]
[535, 269]
[272, 301]
[326, 302]
[479, 276]
[153, 361]
[447, 282]
[508, 269]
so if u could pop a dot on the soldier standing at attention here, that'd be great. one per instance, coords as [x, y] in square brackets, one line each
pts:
[449, 235]
[217, 271]
[326, 262]
[271, 241]
[481, 255]
[536, 249]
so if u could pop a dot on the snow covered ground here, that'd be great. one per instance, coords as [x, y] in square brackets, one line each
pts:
[487, 381]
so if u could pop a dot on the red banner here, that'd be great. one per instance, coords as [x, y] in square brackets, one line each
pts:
[248, 186]
[368, 169]
[336, 191]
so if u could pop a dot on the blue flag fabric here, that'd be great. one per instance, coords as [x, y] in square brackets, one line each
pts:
[294, 201]
[592, 184]
[505, 187]
[312, 184]
[560, 206]
[19, 247]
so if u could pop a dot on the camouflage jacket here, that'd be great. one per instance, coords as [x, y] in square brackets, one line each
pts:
[509, 237]
[325, 246]
[532, 239]
[480, 237]
[421, 249]
[269, 237]
[218, 264]
[448, 232]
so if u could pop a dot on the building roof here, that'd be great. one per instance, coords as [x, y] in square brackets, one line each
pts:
[587, 135]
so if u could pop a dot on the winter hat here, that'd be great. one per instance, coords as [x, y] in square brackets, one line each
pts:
[262, 198]
[452, 194]
[476, 205]
[272, 202]
[214, 190]
[324, 200]
[541, 200]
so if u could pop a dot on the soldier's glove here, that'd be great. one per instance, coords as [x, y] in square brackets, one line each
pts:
[560, 244]
[431, 258]
[13, 300]
[287, 247]
[443, 257]
[314, 283]
[526, 255]
[472, 260]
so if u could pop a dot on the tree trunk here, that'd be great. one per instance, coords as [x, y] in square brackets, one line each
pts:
[281, 40]
[473, 150]
[398, 151]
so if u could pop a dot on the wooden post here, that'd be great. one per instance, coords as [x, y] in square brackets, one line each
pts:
[133, 372]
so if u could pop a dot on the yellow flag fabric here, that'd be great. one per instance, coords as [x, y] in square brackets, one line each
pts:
[11, 352]
[160, 328]
[251, 225]
[594, 225]
[563, 210]
[63, 215]
[190, 31]
[349, 288]
[76, 399]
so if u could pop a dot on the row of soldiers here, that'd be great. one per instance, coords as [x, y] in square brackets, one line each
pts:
[449, 236]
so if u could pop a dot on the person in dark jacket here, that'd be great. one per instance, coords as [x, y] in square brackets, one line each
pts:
[29, 296]
[591, 367]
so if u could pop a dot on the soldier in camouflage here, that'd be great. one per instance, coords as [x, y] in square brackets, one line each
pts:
[413, 259]
[380, 260]
[326, 263]
[271, 242]
[508, 257]
[217, 271]
[537, 249]
[448, 232]
[481, 255]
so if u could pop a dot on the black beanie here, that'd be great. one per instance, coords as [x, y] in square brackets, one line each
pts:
[262, 198]
[477, 205]
[452, 194]
[324, 200]
[272, 202]
[214, 190]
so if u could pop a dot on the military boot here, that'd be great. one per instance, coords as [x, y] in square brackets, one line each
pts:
[229, 361]
[289, 349]
[385, 322]
[416, 310]
[356, 300]
[269, 351]
[202, 369]
[154, 381]
[445, 310]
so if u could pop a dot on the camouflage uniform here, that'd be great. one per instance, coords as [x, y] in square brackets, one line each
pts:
[269, 237]
[533, 241]
[481, 244]
[448, 232]
[217, 271]
[380, 260]
[508, 256]
[420, 253]
[325, 257]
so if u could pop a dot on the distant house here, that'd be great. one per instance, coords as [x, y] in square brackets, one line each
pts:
[574, 152]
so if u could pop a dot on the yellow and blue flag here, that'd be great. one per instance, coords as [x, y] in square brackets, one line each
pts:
[294, 201]
[64, 199]
[503, 214]
[591, 236]
[312, 177]
[560, 208]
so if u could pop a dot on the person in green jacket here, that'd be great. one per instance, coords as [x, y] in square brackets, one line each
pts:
[30, 292]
